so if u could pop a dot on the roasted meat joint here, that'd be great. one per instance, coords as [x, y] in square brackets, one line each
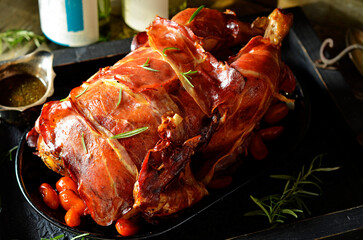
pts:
[150, 135]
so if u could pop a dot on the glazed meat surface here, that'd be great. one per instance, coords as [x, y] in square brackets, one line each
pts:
[182, 99]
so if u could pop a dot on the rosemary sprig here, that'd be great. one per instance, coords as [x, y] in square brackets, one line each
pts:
[119, 97]
[290, 202]
[62, 236]
[186, 76]
[10, 153]
[130, 133]
[195, 13]
[169, 48]
[3, 157]
[53, 238]
[84, 144]
[12, 38]
[80, 236]
[80, 94]
[146, 66]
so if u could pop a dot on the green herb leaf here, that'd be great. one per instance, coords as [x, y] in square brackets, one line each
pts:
[80, 236]
[186, 76]
[195, 13]
[169, 48]
[130, 133]
[283, 177]
[54, 238]
[150, 69]
[10, 153]
[258, 203]
[84, 90]
[11, 38]
[119, 97]
[308, 193]
[326, 169]
[84, 144]
[290, 212]
[146, 66]
[277, 207]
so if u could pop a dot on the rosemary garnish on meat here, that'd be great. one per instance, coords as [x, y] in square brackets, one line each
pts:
[130, 133]
[186, 76]
[169, 48]
[84, 90]
[83, 143]
[277, 207]
[195, 13]
[119, 97]
[146, 66]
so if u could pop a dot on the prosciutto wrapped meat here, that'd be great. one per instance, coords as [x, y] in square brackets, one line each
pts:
[129, 134]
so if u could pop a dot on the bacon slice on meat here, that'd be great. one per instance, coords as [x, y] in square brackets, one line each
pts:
[189, 101]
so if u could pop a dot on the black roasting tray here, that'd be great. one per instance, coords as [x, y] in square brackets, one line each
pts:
[327, 120]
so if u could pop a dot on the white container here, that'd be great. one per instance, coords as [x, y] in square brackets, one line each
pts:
[70, 23]
[138, 14]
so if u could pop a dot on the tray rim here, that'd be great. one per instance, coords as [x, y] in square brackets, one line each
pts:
[309, 52]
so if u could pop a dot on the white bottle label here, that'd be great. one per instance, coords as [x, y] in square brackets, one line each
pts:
[139, 14]
[69, 22]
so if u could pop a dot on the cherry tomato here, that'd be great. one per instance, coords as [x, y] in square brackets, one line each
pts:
[72, 218]
[66, 183]
[258, 148]
[69, 199]
[220, 182]
[49, 196]
[271, 133]
[276, 113]
[289, 82]
[126, 227]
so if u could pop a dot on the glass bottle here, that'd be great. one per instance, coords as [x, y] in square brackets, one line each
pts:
[104, 11]
[138, 14]
[70, 23]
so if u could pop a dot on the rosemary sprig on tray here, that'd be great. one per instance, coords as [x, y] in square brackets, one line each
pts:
[80, 236]
[146, 66]
[7, 155]
[186, 76]
[54, 238]
[130, 133]
[12, 38]
[3, 157]
[61, 236]
[10, 153]
[277, 207]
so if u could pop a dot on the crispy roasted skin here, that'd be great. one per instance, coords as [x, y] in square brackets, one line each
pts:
[191, 103]
[216, 31]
